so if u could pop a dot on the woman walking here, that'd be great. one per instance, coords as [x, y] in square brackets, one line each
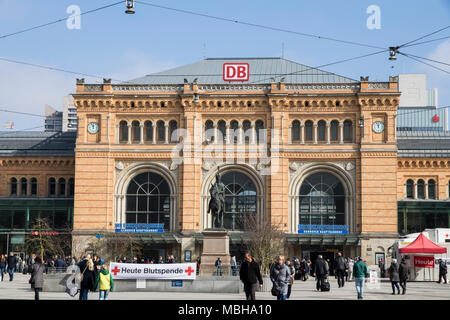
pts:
[394, 276]
[280, 275]
[37, 277]
[87, 277]
[291, 279]
[2, 265]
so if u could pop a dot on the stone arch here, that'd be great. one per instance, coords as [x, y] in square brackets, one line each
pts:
[257, 179]
[123, 180]
[345, 178]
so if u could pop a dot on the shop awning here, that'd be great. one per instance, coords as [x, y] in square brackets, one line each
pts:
[423, 245]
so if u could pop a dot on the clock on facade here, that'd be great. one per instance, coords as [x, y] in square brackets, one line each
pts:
[378, 126]
[93, 127]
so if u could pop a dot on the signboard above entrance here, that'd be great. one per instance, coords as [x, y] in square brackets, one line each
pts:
[322, 229]
[140, 227]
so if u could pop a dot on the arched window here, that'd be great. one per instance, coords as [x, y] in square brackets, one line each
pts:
[322, 200]
[209, 130]
[13, 188]
[33, 188]
[71, 187]
[148, 200]
[334, 130]
[62, 187]
[260, 132]
[23, 187]
[410, 189]
[52, 187]
[421, 189]
[136, 131]
[321, 130]
[431, 189]
[240, 199]
[247, 130]
[308, 130]
[234, 125]
[173, 132]
[123, 131]
[295, 131]
[222, 126]
[348, 131]
[148, 131]
[161, 130]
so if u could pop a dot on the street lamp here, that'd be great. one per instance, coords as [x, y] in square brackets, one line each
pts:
[130, 7]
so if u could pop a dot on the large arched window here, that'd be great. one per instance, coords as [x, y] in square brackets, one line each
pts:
[295, 131]
[123, 131]
[431, 189]
[240, 200]
[322, 200]
[148, 200]
[421, 189]
[410, 189]
[136, 131]
[308, 130]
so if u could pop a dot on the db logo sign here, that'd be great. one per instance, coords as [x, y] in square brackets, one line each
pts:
[236, 71]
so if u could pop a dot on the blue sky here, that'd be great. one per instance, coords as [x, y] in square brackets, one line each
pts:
[113, 44]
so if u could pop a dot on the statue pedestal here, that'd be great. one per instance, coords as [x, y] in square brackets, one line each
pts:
[216, 244]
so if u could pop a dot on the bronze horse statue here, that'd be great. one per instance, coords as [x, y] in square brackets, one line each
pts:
[217, 202]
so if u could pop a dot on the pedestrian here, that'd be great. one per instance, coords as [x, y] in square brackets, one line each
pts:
[403, 273]
[19, 265]
[250, 276]
[341, 267]
[280, 275]
[394, 276]
[350, 269]
[171, 259]
[160, 259]
[382, 267]
[60, 265]
[87, 276]
[442, 271]
[218, 265]
[104, 282]
[320, 272]
[12, 262]
[2, 265]
[291, 279]
[360, 273]
[198, 265]
[30, 262]
[37, 277]
[233, 265]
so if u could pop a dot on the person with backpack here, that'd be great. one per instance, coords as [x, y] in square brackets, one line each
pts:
[403, 273]
[360, 274]
[341, 268]
[37, 277]
[321, 273]
[104, 282]
[280, 275]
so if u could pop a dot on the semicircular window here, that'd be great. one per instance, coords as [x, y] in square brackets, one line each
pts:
[148, 200]
[240, 200]
[322, 200]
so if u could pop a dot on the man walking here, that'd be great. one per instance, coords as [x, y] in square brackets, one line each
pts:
[341, 267]
[12, 262]
[394, 276]
[250, 275]
[382, 267]
[320, 271]
[442, 271]
[360, 273]
[403, 272]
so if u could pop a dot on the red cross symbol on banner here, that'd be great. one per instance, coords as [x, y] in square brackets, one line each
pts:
[189, 271]
[115, 270]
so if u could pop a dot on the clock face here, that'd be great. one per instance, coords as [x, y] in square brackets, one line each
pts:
[378, 127]
[93, 127]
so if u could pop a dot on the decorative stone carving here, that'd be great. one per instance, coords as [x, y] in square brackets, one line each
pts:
[349, 166]
[173, 166]
[119, 165]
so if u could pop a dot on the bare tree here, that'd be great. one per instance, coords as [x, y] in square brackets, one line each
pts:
[44, 240]
[113, 246]
[265, 240]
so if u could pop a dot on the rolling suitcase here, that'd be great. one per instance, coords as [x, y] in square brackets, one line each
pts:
[325, 285]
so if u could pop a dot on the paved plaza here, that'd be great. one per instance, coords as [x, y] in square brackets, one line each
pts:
[20, 289]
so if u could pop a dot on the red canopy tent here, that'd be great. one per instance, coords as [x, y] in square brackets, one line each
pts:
[423, 245]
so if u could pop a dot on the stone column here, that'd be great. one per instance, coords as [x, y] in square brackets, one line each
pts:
[302, 132]
[129, 134]
[141, 126]
[215, 132]
[227, 132]
[166, 133]
[426, 189]
[315, 131]
[240, 133]
[328, 132]
[117, 134]
[415, 190]
[154, 133]
[341, 132]
[253, 133]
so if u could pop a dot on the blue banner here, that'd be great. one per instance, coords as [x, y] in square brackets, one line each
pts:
[322, 229]
[140, 227]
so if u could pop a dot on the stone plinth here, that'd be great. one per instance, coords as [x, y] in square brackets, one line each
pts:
[216, 244]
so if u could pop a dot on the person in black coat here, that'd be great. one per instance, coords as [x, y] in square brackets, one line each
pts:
[403, 274]
[442, 271]
[320, 271]
[88, 277]
[394, 276]
[341, 267]
[12, 262]
[250, 275]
